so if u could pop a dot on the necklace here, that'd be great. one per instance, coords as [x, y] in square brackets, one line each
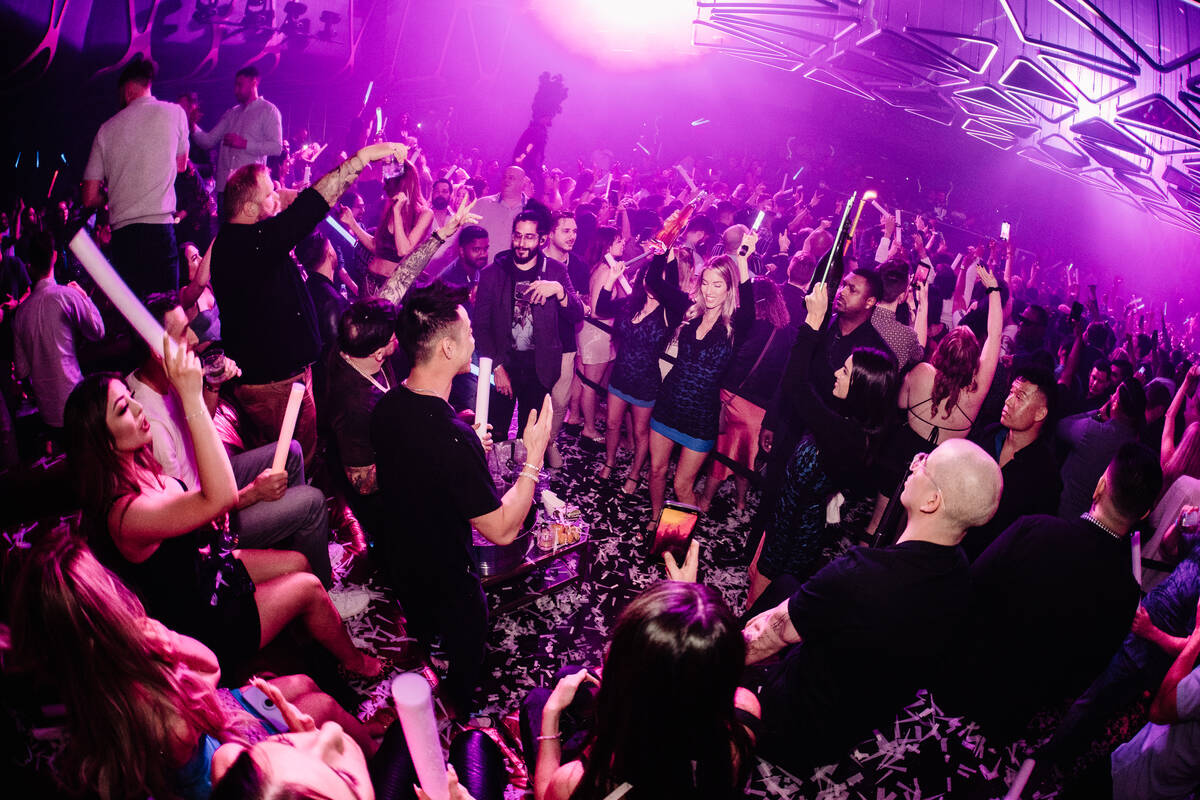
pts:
[430, 392]
[1088, 516]
[382, 387]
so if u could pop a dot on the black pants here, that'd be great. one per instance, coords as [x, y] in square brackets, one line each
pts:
[147, 258]
[446, 605]
[528, 394]
[478, 761]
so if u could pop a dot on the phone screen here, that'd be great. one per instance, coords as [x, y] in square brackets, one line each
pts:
[676, 524]
[1076, 311]
[922, 273]
[1004, 231]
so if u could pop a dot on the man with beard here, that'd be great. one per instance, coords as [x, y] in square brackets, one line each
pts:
[522, 297]
[439, 201]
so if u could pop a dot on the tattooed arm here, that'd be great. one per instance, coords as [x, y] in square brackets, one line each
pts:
[333, 185]
[363, 479]
[415, 262]
[768, 633]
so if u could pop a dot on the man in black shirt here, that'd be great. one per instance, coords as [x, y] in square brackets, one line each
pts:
[435, 485]
[1031, 481]
[268, 324]
[1052, 599]
[866, 632]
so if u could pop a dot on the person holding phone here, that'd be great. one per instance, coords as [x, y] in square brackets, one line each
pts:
[831, 454]
[666, 716]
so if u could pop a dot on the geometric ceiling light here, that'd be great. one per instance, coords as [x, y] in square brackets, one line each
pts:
[1142, 186]
[1026, 78]
[1104, 131]
[1160, 116]
[989, 101]
[1114, 158]
[970, 52]
[1092, 83]
[1063, 152]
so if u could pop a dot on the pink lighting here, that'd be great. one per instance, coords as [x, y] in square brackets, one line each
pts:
[622, 34]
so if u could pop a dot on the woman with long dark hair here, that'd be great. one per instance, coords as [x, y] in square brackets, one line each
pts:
[404, 223]
[687, 409]
[144, 715]
[595, 344]
[162, 537]
[831, 456]
[669, 720]
[643, 323]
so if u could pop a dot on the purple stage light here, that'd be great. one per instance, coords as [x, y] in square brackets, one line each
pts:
[622, 34]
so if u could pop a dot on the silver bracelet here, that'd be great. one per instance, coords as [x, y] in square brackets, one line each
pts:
[553, 738]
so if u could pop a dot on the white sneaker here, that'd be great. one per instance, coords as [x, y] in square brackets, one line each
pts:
[350, 602]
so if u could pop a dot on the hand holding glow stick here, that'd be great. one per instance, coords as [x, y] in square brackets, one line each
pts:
[414, 706]
[117, 291]
[483, 394]
[288, 428]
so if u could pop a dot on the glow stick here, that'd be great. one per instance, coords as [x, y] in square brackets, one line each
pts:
[687, 178]
[797, 175]
[612, 262]
[50, 191]
[475, 372]
[367, 96]
[288, 428]
[878, 207]
[115, 289]
[608, 186]
[337, 226]
[1018, 784]
[642, 147]
[379, 120]
[696, 123]
[957, 261]
[1135, 541]
[414, 706]
[483, 394]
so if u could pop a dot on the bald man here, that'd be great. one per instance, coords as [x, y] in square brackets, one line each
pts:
[497, 212]
[868, 630]
[1052, 600]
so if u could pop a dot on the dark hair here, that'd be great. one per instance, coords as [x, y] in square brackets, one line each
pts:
[702, 223]
[602, 239]
[240, 188]
[471, 234]
[801, 268]
[249, 71]
[42, 254]
[871, 395]
[442, 180]
[769, 304]
[246, 780]
[91, 450]
[140, 70]
[1131, 399]
[665, 717]
[311, 251]
[1157, 394]
[1043, 380]
[559, 216]
[537, 219]
[874, 282]
[1104, 365]
[427, 312]
[366, 326]
[893, 278]
[1135, 479]
[1125, 367]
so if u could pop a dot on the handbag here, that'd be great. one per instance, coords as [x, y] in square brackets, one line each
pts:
[753, 369]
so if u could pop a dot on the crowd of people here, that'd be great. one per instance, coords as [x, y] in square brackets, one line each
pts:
[1014, 460]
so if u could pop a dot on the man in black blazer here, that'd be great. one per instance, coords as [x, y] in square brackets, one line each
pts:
[518, 304]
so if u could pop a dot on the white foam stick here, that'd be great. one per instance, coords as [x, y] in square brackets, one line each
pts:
[1018, 784]
[687, 178]
[612, 262]
[483, 394]
[414, 706]
[878, 207]
[288, 428]
[111, 284]
[957, 261]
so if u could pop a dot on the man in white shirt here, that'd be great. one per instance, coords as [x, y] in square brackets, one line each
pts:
[247, 133]
[138, 153]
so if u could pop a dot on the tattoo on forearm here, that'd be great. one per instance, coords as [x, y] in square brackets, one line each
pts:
[333, 185]
[408, 270]
[362, 479]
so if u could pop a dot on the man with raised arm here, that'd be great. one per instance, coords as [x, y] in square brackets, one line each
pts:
[268, 322]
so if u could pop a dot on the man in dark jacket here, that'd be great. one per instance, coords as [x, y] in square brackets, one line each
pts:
[521, 298]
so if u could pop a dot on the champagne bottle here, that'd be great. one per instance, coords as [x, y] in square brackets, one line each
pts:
[832, 266]
[676, 224]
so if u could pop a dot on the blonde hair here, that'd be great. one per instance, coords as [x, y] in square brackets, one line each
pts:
[727, 268]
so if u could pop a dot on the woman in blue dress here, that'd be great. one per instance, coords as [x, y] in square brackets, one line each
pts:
[643, 323]
[688, 407]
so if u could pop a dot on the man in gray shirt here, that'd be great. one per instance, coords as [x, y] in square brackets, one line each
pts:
[45, 327]
[247, 133]
[138, 153]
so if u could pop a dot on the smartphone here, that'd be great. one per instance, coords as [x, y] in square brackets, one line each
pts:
[922, 273]
[1004, 231]
[758, 221]
[676, 526]
[1076, 312]
[264, 707]
[1191, 519]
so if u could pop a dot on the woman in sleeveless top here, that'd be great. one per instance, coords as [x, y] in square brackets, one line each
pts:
[144, 714]
[159, 536]
[942, 397]
[595, 344]
[643, 324]
[669, 717]
[405, 222]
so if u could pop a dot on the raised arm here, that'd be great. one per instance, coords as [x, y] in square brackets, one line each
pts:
[674, 299]
[416, 261]
[1186, 388]
[989, 354]
[335, 183]
[147, 519]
